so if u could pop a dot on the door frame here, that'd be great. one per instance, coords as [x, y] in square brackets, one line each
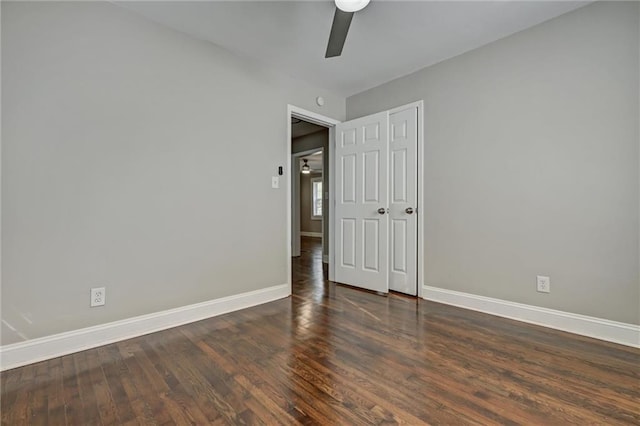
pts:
[313, 117]
[328, 122]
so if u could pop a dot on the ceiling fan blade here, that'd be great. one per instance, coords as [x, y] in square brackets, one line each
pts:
[338, 35]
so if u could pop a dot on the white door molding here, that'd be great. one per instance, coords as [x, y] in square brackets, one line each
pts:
[315, 118]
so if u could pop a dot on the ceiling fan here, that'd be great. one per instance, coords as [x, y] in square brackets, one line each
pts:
[341, 22]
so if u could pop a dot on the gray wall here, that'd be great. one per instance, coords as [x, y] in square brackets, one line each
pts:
[123, 166]
[306, 223]
[531, 163]
[313, 141]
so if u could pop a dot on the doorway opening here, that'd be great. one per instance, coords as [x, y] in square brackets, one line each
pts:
[377, 228]
[309, 193]
[309, 198]
[310, 136]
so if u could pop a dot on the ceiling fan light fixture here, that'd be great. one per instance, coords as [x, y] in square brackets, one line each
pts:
[305, 168]
[351, 5]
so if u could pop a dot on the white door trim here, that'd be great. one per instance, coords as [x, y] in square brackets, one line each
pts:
[315, 118]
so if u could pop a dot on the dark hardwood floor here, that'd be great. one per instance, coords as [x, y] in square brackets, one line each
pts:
[330, 355]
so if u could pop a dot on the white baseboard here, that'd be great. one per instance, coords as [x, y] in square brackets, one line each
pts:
[311, 234]
[611, 331]
[325, 259]
[35, 350]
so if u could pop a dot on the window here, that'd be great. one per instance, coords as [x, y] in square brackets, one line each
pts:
[316, 198]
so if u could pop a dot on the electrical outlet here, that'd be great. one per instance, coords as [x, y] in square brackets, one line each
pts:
[543, 284]
[98, 296]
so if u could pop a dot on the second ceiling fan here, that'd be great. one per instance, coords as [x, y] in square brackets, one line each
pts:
[341, 22]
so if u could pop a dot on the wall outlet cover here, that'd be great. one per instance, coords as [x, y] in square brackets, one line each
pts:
[98, 296]
[543, 284]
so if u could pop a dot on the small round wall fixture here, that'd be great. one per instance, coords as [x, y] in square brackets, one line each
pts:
[320, 101]
[351, 5]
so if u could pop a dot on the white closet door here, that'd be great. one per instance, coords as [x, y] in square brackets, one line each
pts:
[361, 194]
[403, 201]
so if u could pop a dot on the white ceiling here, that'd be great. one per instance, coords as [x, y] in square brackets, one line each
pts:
[387, 39]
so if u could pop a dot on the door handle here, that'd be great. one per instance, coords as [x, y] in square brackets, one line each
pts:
[408, 210]
[382, 210]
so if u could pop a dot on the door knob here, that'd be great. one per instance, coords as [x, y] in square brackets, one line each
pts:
[382, 210]
[408, 210]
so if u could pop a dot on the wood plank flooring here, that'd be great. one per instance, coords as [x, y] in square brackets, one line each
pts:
[330, 355]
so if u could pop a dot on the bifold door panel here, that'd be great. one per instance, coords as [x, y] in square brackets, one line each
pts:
[376, 195]
[361, 191]
[403, 199]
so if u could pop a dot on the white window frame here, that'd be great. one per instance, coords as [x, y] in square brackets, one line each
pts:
[313, 198]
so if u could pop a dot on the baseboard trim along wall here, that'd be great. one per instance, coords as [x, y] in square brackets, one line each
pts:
[35, 350]
[311, 234]
[598, 328]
